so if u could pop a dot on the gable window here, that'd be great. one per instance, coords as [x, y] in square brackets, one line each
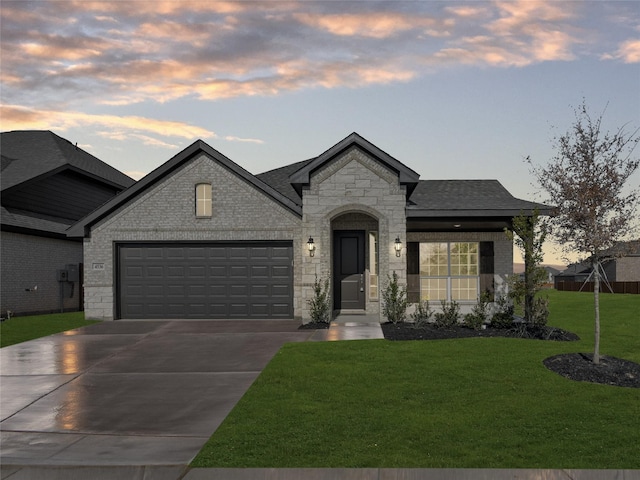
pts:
[204, 206]
[449, 271]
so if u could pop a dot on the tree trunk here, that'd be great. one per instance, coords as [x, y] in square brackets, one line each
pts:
[596, 298]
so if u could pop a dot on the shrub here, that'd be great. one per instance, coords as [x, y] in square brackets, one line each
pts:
[422, 313]
[394, 300]
[540, 311]
[320, 303]
[448, 317]
[479, 314]
[503, 317]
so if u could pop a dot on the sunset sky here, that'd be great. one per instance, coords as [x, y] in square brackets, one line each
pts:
[452, 89]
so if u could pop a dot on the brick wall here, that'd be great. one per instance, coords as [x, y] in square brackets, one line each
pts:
[167, 213]
[627, 269]
[29, 261]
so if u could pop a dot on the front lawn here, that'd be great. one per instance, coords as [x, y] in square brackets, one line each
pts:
[21, 329]
[475, 402]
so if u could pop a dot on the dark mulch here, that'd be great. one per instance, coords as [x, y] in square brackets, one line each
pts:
[610, 370]
[408, 331]
[314, 326]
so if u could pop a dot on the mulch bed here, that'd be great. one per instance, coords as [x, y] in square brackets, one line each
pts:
[610, 370]
[408, 331]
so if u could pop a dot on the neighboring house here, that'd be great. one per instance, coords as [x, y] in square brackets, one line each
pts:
[550, 273]
[200, 237]
[47, 185]
[622, 265]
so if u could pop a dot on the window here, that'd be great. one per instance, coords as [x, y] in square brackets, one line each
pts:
[449, 271]
[203, 200]
[373, 265]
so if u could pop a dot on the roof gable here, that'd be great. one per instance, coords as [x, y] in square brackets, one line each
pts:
[406, 176]
[29, 155]
[193, 151]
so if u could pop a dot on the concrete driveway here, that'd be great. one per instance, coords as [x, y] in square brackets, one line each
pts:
[129, 392]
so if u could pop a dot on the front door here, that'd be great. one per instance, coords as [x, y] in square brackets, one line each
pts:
[348, 269]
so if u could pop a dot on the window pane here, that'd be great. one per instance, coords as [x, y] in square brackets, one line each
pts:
[203, 200]
[373, 265]
[464, 258]
[464, 288]
[433, 259]
[433, 289]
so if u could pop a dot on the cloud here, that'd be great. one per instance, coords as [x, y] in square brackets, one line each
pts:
[231, 138]
[59, 55]
[628, 52]
[19, 118]
[370, 24]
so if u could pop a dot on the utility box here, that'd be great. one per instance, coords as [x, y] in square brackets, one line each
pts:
[62, 275]
[73, 275]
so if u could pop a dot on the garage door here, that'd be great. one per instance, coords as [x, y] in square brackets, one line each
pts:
[214, 280]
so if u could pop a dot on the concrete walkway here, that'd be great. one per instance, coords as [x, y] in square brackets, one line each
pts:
[138, 399]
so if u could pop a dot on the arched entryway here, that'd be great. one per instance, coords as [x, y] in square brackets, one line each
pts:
[355, 264]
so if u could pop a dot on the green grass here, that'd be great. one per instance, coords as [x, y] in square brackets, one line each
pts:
[21, 329]
[479, 402]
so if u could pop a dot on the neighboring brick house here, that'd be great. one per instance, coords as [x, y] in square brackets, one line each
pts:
[47, 185]
[621, 264]
[200, 237]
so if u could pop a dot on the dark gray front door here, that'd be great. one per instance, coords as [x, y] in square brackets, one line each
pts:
[348, 268]
[205, 280]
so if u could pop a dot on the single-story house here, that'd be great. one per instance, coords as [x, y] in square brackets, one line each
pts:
[48, 184]
[621, 264]
[200, 237]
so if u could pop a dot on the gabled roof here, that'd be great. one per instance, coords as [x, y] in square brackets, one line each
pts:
[406, 176]
[468, 198]
[193, 151]
[279, 179]
[29, 155]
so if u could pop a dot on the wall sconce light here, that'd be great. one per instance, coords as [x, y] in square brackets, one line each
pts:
[311, 246]
[398, 246]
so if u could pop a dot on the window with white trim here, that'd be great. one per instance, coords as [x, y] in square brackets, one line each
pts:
[204, 205]
[449, 271]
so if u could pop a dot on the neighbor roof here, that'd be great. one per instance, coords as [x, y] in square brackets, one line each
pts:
[28, 155]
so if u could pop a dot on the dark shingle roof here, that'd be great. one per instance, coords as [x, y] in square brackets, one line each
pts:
[22, 221]
[279, 179]
[466, 198]
[29, 154]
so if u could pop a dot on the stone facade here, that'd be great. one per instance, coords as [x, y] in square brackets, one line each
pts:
[352, 192]
[166, 212]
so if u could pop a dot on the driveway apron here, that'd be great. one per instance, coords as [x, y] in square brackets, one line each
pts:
[129, 392]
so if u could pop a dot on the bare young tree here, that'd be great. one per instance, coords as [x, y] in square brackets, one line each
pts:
[585, 181]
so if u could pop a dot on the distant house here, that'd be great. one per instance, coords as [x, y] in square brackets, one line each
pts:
[623, 265]
[47, 185]
[200, 237]
[551, 273]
